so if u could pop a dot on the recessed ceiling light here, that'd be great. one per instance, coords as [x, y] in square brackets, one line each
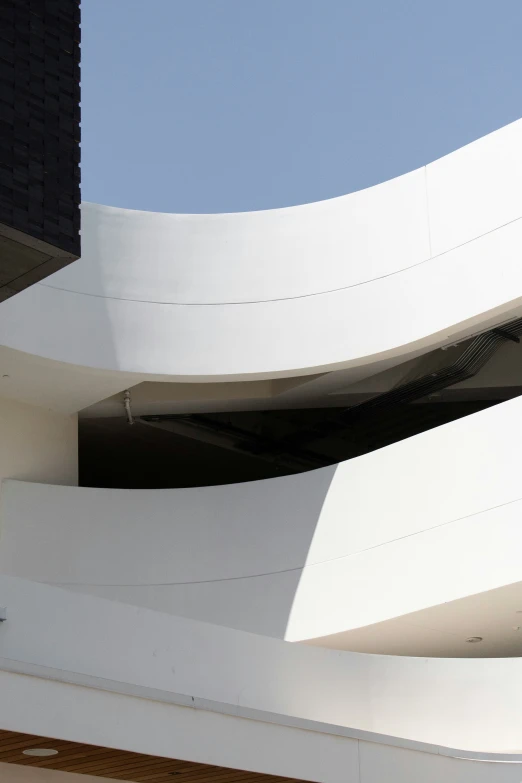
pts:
[40, 752]
[474, 639]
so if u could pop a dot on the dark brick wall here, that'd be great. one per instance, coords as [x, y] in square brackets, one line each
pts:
[40, 120]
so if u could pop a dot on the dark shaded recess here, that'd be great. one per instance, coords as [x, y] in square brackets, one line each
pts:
[114, 454]
[221, 448]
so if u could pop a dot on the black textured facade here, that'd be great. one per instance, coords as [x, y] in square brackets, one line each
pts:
[39, 139]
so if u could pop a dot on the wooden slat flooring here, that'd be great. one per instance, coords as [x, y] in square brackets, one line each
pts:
[120, 764]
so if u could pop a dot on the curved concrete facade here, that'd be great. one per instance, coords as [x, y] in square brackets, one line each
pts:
[462, 710]
[291, 291]
[165, 621]
[298, 557]
[344, 689]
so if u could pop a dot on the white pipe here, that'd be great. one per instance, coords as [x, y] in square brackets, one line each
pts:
[127, 406]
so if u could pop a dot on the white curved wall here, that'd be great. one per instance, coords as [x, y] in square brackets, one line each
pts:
[298, 557]
[252, 257]
[474, 705]
[123, 677]
[415, 261]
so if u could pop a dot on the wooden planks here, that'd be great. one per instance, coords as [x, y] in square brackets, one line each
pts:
[119, 764]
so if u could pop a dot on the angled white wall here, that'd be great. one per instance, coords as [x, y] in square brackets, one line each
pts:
[37, 444]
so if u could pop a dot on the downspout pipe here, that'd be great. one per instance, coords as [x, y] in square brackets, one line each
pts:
[127, 406]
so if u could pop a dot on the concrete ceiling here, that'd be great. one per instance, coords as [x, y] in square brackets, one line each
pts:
[500, 378]
[442, 631]
[63, 388]
[67, 388]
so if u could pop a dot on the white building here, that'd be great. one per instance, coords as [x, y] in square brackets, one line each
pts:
[296, 546]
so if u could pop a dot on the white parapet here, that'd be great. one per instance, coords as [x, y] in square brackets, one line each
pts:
[461, 708]
[426, 521]
[406, 265]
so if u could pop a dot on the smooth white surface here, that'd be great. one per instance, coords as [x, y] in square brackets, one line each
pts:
[442, 630]
[473, 705]
[144, 725]
[57, 386]
[201, 259]
[193, 734]
[476, 189]
[410, 264]
[37, 444]
[339, 283]
[297, 557]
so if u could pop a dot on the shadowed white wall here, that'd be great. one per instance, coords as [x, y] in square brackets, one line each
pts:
[298, 557]
[473, 705]
[37, 444]
[411, 263]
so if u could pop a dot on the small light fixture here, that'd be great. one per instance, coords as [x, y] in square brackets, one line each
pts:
[474, 639]
[42, 752]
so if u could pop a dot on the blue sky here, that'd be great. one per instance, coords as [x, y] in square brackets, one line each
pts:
[233, 105]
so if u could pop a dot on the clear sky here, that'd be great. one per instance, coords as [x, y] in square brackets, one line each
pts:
[233, 105]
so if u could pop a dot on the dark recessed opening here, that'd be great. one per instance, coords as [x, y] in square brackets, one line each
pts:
[223, 448]
[203, 449]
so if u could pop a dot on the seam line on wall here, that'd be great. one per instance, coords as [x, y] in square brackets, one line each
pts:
[283, 298]
[284, 570]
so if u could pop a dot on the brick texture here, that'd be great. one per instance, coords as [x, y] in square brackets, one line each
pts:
[40, 120]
